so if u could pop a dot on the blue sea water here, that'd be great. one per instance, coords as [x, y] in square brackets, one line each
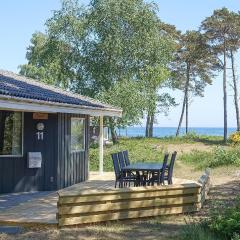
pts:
[171, 131]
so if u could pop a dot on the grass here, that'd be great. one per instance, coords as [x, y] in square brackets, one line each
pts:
[140, 149]
[218, 156]
[161, 228]
[151, 149]
[197, 231]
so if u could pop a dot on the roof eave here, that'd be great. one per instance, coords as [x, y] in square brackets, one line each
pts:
[31, 105]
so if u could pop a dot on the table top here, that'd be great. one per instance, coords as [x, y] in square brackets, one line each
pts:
[143, 167]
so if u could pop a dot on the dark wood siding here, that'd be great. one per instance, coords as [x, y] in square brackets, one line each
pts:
[15, 176]
[72, 166]
[60, 167]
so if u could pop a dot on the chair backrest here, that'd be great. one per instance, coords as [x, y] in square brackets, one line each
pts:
[121, 160]
[125, 154]
[116, 165]
[171, 165]
[164, 166]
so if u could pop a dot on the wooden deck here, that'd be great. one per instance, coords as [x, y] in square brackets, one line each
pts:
[97, 200]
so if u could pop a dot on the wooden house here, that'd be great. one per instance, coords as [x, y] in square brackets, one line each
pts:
[44, 135]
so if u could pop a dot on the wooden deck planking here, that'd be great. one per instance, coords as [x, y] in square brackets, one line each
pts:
[44, 209]
[98, 201]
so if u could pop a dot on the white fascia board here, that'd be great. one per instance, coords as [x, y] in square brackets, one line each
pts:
[37, 106]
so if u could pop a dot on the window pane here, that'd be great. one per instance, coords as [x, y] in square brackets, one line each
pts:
[77, 134]
[10, 133]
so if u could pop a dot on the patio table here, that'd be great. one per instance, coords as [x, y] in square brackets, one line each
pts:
[144, 167]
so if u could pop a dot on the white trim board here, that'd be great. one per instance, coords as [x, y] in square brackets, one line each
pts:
[27, 106]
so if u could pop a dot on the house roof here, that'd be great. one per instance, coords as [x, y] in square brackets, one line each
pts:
[23, 90]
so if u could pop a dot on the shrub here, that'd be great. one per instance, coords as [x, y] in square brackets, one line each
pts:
[223, 156]
[235, 138]
[200, 159]
[219, 156]
[197, 231]
[226, 222]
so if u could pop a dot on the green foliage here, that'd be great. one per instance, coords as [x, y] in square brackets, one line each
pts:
[220, 156]
[222, 28]
[114, 50]
[48, 61]
[197, 231]
[193, 64]
[235, 138]
[127, 95]
[223, 223]
[200, 159]
[140, 150]
[226, 223]
[152, 150]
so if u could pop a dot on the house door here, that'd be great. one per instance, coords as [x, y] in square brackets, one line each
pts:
[46, 143]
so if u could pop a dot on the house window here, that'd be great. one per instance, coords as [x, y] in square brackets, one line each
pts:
[11, 133]
[77, 134]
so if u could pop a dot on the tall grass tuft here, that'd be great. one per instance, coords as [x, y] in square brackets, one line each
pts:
[219, 156]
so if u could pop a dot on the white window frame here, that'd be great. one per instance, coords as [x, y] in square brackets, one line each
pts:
[19, 155]
[84, 134]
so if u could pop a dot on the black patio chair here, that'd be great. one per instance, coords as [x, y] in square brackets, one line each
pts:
[121, 177]
[128, 174]
[125, 154]
[164, 168]
[169, 171]
[117, 170]
[160, 177]
[127, 161]
[121, 160]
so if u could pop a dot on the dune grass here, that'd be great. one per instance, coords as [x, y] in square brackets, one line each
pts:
[218, 156]
[151, 149]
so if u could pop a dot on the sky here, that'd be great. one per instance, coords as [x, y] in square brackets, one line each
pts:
[20, 19]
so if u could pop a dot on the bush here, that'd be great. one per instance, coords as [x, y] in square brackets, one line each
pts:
[200, 159]
[226, 222]
[222, 224]
[197, 231]
[223, 156]
[235, 138]
[220, 156]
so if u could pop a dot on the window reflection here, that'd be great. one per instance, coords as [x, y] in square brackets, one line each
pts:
[77, 134]
[10, 133]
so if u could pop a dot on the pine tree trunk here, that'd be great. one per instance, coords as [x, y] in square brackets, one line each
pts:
[186, 96]
[235, 90]
[184, 103]
[225, 92]
[181, 117]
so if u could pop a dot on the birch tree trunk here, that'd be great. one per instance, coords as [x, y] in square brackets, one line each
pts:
[151, 125]
[147, 126]
[113, 131]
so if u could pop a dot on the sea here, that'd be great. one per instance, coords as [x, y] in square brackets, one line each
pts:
[171, 131]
